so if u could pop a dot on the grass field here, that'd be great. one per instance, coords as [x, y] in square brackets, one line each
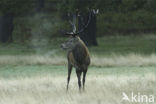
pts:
[38, 74]
[46, 84]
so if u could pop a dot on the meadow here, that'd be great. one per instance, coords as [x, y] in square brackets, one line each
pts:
[37, 73]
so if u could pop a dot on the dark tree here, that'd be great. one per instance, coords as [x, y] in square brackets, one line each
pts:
[89, 34]
[71, 6]
[8, 10]
[40, 5]
[6, 28]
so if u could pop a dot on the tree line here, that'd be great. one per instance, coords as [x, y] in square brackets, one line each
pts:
[115, 16]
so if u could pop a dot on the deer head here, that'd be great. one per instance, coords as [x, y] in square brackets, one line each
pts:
[74, 38]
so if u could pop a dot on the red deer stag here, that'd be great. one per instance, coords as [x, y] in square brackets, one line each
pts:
[78, 54]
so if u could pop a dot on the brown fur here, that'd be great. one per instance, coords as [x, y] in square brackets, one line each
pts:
[79, 58]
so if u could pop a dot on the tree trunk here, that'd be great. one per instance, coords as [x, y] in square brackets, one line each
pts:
[6, 28]
[89, 34]
[40, 5]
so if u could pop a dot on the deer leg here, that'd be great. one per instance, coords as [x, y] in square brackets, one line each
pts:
[78, 72]
[69, 73]
[84, 78]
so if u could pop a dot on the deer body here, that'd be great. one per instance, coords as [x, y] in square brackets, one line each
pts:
[78, 57]
[78, 54]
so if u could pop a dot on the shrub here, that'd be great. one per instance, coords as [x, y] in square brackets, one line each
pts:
[131, 22]
[40, 26]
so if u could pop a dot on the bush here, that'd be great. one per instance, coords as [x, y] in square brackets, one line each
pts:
[132, 22]
[40, 26]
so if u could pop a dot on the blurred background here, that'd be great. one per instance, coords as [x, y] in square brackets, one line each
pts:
[24, 20]
[31, 25]
[115, 27]
[121, 37]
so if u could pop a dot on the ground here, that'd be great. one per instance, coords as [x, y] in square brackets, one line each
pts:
[119, 64]
[46, 84]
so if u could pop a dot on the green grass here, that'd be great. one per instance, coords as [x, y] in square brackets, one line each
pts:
[108, 45]
[37, 74]
[11, 71]
[141, 44]
[14, 71]
[46, 84]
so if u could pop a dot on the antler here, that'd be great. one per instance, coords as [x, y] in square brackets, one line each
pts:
[85, 25]
[73, 23]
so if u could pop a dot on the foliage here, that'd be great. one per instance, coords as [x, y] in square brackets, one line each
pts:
[115, 16]
[38, 27]
[107, 46]
[16, 6]
[130, 22]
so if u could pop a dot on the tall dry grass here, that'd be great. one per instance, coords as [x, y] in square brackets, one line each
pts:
[52, 90]
[113, 60]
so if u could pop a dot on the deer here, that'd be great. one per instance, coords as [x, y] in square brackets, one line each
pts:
[77, 53]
